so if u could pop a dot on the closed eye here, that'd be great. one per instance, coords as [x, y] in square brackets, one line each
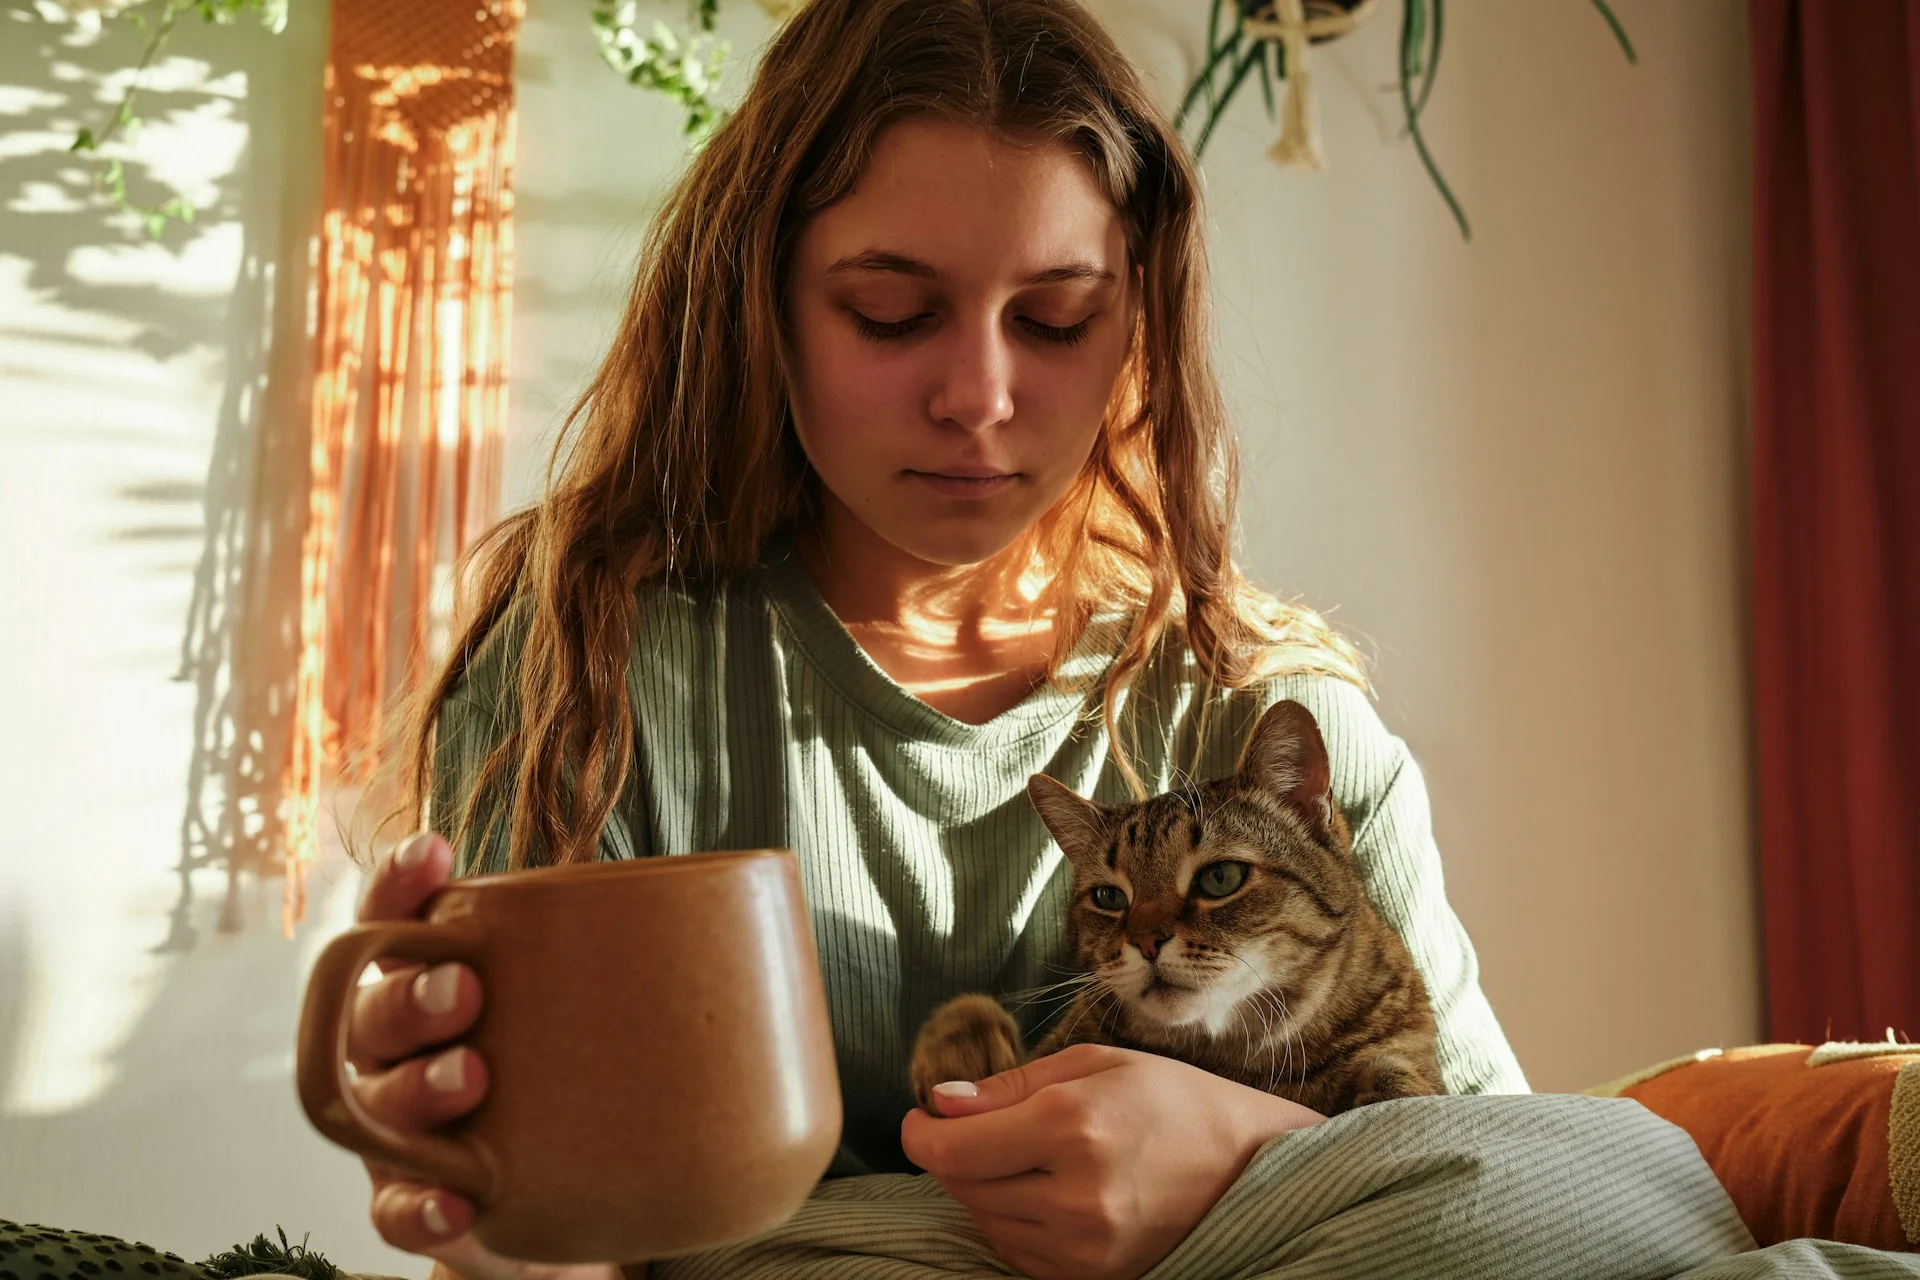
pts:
[886, 330]
[893, 330]
[1065, 335]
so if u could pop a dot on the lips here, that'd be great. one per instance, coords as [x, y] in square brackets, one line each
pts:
[964, 484]
[964, 472]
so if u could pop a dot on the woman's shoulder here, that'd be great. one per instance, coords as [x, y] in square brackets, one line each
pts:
[1364, 756]
[486, 682]
[663, 612]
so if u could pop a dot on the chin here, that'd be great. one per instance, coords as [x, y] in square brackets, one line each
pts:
[958, 546]
[1173, 1006]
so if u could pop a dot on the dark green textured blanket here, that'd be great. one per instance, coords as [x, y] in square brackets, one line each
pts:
[30, 1252]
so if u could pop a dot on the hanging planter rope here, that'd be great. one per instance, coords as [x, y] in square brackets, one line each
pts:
[1272, 37]
[1293, 25]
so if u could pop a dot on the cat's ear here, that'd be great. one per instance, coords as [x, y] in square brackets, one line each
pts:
[1079, 826]
[1286, 758]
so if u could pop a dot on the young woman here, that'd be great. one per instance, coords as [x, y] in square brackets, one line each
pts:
[906, 477]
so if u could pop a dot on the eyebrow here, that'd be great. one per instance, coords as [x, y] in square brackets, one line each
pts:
[900, 264]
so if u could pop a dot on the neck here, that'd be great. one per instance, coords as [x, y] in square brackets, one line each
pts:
[874, 586]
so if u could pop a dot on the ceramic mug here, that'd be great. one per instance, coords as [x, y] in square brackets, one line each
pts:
[661, 1071]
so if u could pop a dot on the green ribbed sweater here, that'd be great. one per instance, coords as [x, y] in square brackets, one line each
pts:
[760, 722]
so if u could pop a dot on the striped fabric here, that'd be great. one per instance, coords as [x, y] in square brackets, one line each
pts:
[762, 723]
[1453, 1188]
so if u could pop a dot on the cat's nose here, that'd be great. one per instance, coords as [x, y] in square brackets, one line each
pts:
[1150, 943]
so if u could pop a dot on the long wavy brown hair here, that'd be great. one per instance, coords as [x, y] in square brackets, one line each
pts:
[679, 462]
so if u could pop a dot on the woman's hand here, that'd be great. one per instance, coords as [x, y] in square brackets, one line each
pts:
[411, 1075]
[1095, 1162]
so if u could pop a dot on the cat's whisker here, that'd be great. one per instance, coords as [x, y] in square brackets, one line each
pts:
[1114, 997]
[1072, 980]
[1052, 993]
[1106, 993]
[1273, 1052]
[1061, 968]
[1266, 996]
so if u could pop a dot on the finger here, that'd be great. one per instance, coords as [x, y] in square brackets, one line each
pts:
[423, 1092]
[995, 1145]
[1009, 1088]
[409, 1009]
[420, 1219]
[400, 884]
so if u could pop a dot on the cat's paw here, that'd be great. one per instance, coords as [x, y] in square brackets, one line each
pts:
[967, 1038]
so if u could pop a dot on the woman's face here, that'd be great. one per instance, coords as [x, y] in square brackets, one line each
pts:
[959, 319]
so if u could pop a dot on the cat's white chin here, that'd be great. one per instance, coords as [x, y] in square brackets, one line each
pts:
[1173, 1005]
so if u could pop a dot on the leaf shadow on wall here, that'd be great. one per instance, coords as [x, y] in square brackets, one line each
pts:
[241, 635]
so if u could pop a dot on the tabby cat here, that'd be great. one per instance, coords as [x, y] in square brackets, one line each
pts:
[1224, 925]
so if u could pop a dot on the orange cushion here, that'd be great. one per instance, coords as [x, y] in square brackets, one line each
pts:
[1802, 1150]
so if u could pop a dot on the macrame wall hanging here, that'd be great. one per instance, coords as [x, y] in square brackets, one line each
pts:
[413, 278]
[1295, 24]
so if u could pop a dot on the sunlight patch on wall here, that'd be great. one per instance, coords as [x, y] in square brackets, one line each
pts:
[77, 1011]
[201, 268]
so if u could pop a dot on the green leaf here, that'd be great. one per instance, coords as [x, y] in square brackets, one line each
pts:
[1266, 75]
[1205, 79]
[1220, 109]
[1213, 41]
[1619, 31]
[84, 142]
[1433, 58]
[1414, 33]
[1407, 59]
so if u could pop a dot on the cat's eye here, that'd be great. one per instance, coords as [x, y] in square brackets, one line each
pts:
[1108, 897]
[1218, 879]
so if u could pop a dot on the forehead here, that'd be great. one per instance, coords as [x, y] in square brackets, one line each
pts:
[969, 205]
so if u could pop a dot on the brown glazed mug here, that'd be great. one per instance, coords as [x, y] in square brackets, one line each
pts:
[655, 1031]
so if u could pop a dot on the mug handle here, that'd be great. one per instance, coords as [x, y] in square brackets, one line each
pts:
[327, 1094]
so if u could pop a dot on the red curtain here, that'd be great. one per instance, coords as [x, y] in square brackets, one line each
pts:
[1836, 512]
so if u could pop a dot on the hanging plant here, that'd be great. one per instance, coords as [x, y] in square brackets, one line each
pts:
[157, 18]
[1271, 37]
[684, 67]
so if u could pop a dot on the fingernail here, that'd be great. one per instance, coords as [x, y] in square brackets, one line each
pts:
[414, 852]
[431, 1215]
[436, 989]
[958, 1089]
[446, 1073]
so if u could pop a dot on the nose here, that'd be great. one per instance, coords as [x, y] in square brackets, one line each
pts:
[974, 389]
[1150, 943]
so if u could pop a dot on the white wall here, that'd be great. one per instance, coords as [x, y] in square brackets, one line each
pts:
[1516, 467]
[1513, 466]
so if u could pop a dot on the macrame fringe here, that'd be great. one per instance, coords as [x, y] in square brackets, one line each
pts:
[1298, 145]
[411, 308]
[1296, 24]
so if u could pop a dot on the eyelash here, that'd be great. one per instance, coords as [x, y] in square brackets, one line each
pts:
[1071, 335]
